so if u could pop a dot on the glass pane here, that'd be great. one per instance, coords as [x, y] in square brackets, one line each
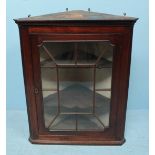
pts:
[103, 78]
[86, 53]
[48, 78]
[88, 123]
[58, 52]
[76, 85]
[106, 55]
[64, 122]
[102, 106]
[50, 103]
[94, 52]
[76, 95]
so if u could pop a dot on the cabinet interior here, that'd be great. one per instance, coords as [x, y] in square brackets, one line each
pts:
[76, 84]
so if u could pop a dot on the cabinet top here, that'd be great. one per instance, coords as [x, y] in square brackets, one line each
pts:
[75, 15]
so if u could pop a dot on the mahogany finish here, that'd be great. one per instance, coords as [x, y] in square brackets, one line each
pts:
[118, 30]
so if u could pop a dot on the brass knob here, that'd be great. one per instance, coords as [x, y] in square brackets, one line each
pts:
[36, 91]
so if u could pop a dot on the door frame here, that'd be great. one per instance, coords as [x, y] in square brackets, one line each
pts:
[115, 39]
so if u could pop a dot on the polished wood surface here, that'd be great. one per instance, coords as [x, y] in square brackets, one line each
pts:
[119, 33]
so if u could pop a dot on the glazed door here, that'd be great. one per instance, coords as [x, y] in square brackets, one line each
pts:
[75, 83]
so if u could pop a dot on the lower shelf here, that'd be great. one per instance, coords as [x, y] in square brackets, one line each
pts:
[77, 122]
[76, 110]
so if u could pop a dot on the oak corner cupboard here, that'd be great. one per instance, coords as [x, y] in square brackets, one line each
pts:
[76, 68]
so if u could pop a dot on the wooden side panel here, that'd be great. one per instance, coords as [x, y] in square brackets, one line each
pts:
[28, 81]
[124, 82]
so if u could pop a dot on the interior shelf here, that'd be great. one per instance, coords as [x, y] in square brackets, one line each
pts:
[49, 63]
[76, 115]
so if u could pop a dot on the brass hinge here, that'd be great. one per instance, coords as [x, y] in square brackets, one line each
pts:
[36, 91]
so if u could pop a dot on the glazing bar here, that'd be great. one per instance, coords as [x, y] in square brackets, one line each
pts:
[49, 89]
[77, 113]
[99, 120]
[94, 81]
[75, 52]
[58, 89]
[53, 119]
[49, 54]
[103, 89]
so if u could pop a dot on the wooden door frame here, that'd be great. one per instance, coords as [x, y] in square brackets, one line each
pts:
[122, 61]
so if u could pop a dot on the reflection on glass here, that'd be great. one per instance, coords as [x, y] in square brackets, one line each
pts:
[76, 84]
